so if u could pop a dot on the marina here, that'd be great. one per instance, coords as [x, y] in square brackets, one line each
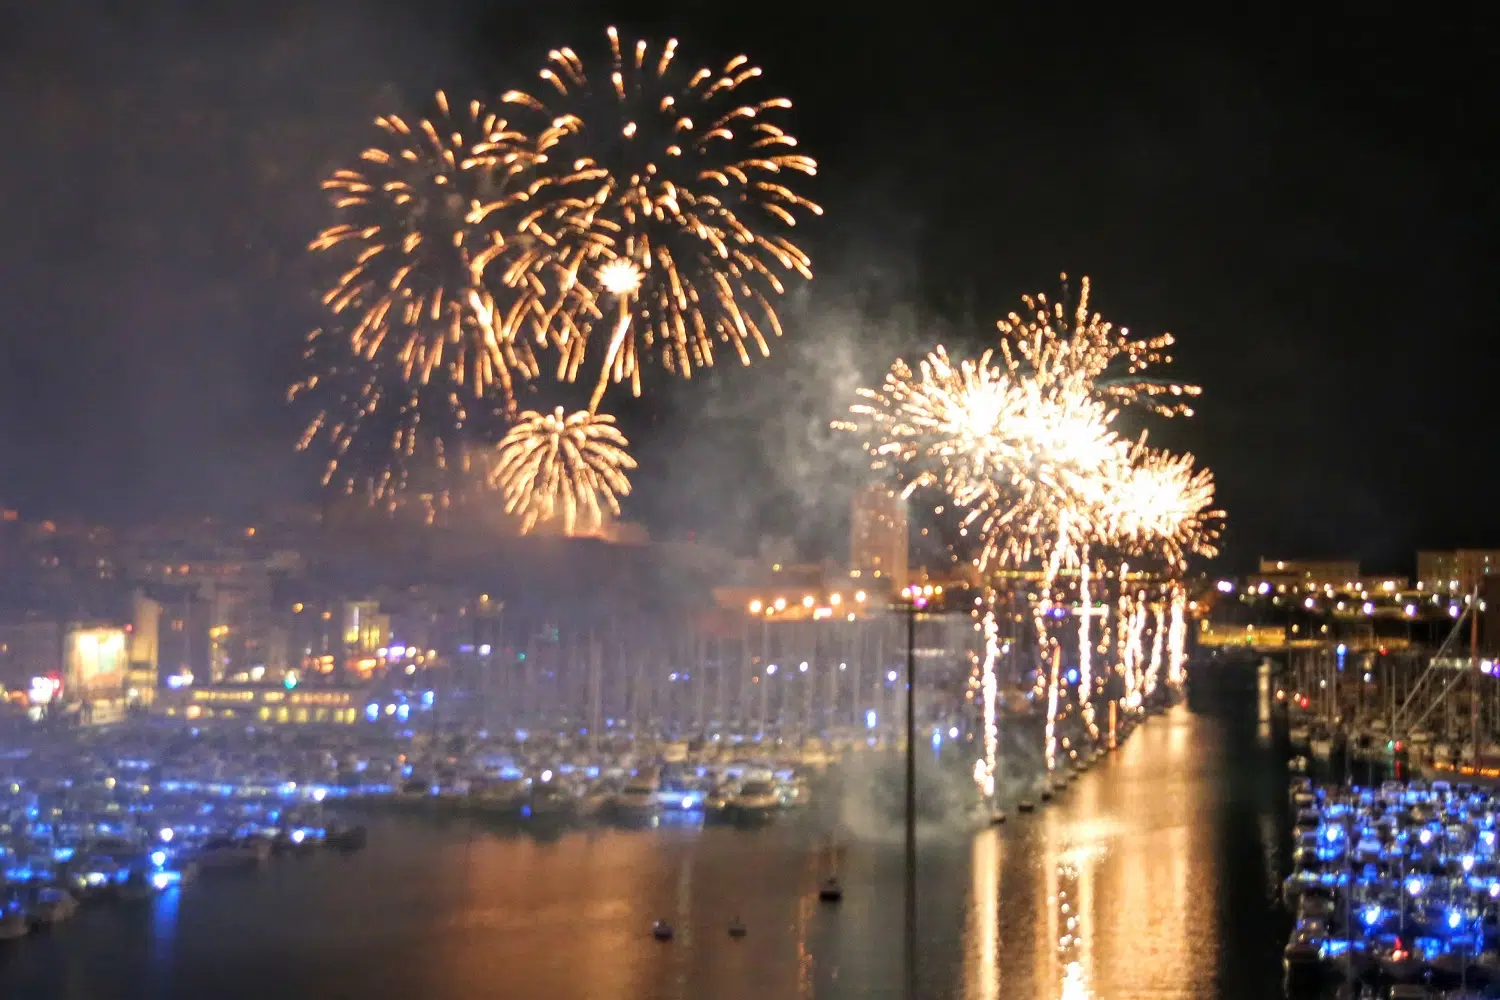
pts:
[453, 904]
[1392, 887]
[122, 813]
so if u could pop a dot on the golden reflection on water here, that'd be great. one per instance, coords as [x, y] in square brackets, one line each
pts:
[1109, 893]
[983, 974]
[1125, 878]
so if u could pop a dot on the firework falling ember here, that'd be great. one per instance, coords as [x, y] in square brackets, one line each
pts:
[670, 172]
[412, 294]
[382, 436]
[984, 769]
[1083, 347]
[556, 465]
[1177, 636]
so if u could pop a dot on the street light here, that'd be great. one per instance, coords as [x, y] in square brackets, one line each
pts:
[915, 599]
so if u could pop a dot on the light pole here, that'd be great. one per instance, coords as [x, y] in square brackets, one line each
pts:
[914, 601]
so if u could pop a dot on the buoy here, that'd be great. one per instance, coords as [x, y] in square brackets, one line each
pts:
[736, 929]
[831, 892]
[661, 930]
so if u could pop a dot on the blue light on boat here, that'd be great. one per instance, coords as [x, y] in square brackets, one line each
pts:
[158, 858]
[1454, 919]
[1372, 915]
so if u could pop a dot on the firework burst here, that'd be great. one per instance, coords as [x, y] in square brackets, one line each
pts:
[563, 465]
[412, 294]
[1018, 453]
[1159, 503]
[667, 177]
[1080, 347]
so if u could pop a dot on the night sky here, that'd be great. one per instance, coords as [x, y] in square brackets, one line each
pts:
[1308, 204]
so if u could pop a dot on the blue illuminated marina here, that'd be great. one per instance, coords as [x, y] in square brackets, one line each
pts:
[1394, 885]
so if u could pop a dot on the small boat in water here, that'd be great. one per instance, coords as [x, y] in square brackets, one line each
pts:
[639, 798]
[757, 800]
[53, 906]
[831, 891]
[661, 930]
[345, 838]
[228, 852]
[736, 928]
[136, 887]
[1025, 806]
[13, 922]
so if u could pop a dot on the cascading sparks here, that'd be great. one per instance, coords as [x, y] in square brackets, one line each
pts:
[984, 769]
[1153, 672]
[1177, 637]
[1085, 652]
[1135, 650]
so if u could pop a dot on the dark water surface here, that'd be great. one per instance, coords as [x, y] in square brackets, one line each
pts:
[1166, 858]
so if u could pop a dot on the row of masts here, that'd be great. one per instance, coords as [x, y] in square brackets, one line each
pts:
[1449, 693]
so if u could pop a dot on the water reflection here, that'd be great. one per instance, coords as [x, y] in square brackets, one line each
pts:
[1146, 878]
[984, 919]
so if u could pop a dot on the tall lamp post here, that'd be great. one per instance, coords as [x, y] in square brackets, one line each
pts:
[914, 600]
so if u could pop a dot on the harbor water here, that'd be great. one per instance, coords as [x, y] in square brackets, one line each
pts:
[1155, 875]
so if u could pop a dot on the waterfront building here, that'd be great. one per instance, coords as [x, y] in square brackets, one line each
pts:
[275, 705]
[1459, 571]
[878, 540]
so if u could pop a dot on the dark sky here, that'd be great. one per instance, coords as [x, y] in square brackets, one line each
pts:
[1308, 204]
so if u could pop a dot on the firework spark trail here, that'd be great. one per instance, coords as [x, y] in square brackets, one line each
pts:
[1040, 615]
[1177, 636]
[1085, 653]
[985, 768]
[1138, 646]
[1085, 348]
[556, 464]
[1124, 615]
[1153, 671]
[670, 173]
